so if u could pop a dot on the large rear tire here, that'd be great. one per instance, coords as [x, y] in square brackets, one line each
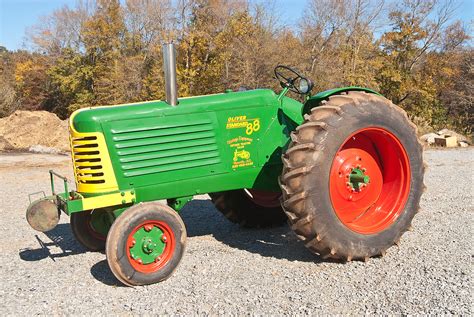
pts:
[353, 176]
[250, 208]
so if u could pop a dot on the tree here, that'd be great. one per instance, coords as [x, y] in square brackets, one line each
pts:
[103, 52]
[103, 35]
[62, 29]
[31, 82]
[8, 97]
[199, 64]
[71, 83]
[416, 65]
[338, 41]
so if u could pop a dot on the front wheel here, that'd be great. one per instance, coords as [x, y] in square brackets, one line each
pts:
[145, 244]
[90, 228]
[353, 176]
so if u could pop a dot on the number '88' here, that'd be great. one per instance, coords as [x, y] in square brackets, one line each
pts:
[252, 126]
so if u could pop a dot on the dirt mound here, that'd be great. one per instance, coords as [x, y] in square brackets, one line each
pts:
[30, 130]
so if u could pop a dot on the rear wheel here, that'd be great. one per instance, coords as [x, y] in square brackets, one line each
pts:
[90, 228]
[145, 244]
[353, 176]
[250, 207]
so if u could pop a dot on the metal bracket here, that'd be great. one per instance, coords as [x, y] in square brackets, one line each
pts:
[35, 193]
[178, 203]
[51, 175]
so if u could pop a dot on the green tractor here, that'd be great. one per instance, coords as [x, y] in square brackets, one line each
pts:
[344, 169]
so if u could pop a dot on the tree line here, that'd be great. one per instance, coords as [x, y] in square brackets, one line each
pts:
[109, 52]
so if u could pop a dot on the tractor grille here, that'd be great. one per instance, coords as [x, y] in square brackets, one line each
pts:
[87, 160]
[157, 148]
[92, 166]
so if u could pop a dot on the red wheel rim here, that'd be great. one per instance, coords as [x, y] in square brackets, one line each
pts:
[136, 246]
[264, 198]
[370, 180]
[92, 231]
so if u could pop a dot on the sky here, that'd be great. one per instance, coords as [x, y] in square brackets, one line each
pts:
[17, 15]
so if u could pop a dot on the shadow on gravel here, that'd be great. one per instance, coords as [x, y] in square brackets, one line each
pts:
[61, 237]
[201, 218]
[101, 272]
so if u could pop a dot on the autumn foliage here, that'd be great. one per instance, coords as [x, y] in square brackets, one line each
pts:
[109, 52]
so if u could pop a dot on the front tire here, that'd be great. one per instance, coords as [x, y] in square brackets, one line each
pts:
[353, 177]
[145, 244]
[83, 229]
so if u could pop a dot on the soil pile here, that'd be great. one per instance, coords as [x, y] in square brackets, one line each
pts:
[34, 131]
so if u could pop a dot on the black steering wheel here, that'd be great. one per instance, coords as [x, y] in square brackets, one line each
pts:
[287, 77]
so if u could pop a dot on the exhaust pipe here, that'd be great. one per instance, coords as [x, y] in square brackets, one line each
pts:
[169, 67]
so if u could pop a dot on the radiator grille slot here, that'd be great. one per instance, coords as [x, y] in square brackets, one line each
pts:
[87, 160]
[156, 148]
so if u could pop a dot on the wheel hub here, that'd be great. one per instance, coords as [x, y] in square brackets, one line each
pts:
[148, 244]
[357, 178]
[369, 180]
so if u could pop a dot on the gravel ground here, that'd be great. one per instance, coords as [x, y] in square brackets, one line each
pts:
[227, 269]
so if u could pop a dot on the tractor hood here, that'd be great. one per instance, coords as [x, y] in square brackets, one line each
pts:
[91, 119]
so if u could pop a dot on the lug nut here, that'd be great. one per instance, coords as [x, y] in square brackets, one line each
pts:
[148, 227]
[132, 243]
[164, 239]
[158, 259]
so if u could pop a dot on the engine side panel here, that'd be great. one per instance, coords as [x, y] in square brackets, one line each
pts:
[206, 144]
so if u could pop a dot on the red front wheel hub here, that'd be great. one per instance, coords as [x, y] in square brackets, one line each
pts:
[369, 180]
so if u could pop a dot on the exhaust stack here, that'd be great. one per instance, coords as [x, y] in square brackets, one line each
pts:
[169, 67]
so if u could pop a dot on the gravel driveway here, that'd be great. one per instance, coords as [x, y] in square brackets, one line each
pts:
[227, 269]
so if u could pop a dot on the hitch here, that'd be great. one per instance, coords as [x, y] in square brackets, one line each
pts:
[51, 175]
[43, 213]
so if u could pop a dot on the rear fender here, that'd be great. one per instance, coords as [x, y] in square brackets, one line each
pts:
[316, 100]
[293, 111]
